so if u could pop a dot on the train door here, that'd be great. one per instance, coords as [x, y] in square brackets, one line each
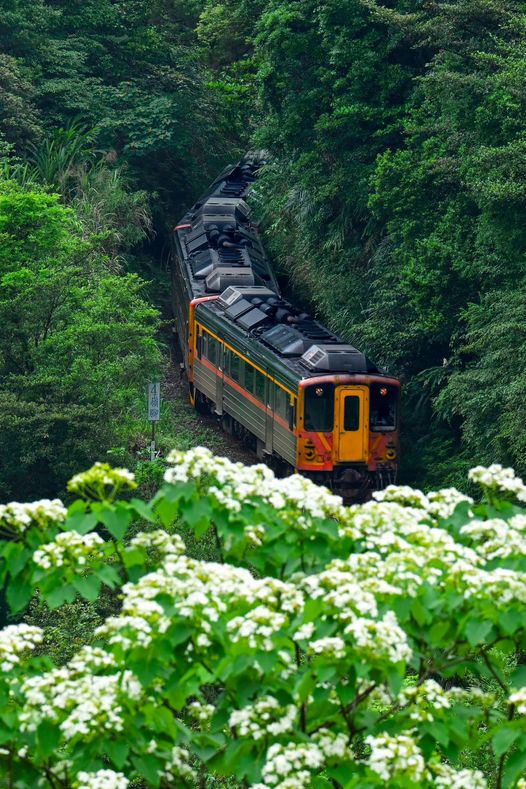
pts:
[352, 423]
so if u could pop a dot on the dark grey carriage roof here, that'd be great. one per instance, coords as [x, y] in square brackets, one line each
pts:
[221, 254]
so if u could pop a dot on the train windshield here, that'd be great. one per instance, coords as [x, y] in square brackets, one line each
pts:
[383, 408]
[319, 408]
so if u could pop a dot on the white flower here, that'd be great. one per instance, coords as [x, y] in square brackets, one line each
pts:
[424, 700]
[178, 766]
[329, 647]
[16, 518]
[102, 481]
[68, 548]
[102, 779]
[264, 717]
[380, 639]
[15, 640]
[397, 756]
[80, 701]
[518, 698]
[167, 544]
[497, 478]
[447, 777]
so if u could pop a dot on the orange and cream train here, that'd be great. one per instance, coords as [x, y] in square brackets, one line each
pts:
[302, 398]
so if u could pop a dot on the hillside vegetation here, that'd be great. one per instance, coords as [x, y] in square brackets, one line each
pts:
[395, 199]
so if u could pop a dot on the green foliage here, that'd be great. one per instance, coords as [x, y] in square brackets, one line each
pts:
[373, 646]
[395, 199]
[77, 342]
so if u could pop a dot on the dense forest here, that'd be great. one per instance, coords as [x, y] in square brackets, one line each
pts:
[394, 201]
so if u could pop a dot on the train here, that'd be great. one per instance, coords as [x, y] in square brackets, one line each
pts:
[301, 397]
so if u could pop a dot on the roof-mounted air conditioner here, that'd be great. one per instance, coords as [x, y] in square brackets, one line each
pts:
[336, 358]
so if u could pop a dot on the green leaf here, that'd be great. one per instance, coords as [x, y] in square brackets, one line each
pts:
[149, 767]
[116, 519]
[48, 737]
[518, 677]
[60, 595]
[81, 522]
[117, 751]
[477, 630]
[503, 739]
[18, 596]
[143, 510]
[87, 586]
[514, 767]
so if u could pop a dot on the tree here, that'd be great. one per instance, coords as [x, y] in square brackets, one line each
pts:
[328, 646]
[77, 342]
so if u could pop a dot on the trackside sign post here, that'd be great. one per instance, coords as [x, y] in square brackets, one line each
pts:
[154, 412]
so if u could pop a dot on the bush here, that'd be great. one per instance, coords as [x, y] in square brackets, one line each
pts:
[329, 646]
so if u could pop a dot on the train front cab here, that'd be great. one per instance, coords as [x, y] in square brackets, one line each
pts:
[348, 431]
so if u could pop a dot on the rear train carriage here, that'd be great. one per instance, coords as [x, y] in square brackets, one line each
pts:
[302, 397]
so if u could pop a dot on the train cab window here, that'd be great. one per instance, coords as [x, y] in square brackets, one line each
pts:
[235, 367]
[226, 361]
[351, 413]
[383, 408]
[319, 407]
[281, 402]
[199, 343]
[259, 386]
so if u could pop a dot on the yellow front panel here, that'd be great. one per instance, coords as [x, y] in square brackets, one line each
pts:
[352, 423]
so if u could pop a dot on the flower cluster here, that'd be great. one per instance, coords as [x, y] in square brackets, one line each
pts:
[102, 481]
[68, 548]
[201, 712]
[396, 757]
[234, 483]
[81, 701]
[496, 538]
[159, 540]
[424, 700]
[438, 504]
[202, 593]
[446, 777]
[380, 639]
[14, 641]
[178, 766]
[102, 779]
[16, 518]
[265, 717]
[498, 479]
[290, 766]
[518, 698]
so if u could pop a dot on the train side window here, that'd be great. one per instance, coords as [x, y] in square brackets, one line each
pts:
[351, 413]
[235, 366]
[292, 415]
[319, 407]
[212, 349]
[249, 377]
[259, 386]
[280, 402]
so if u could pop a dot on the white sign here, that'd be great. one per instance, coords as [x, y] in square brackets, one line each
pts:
[154, 402]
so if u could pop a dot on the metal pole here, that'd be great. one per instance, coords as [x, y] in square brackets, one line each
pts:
[152, 445]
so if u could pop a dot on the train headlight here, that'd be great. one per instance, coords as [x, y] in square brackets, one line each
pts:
[319, 391]
[384, 391]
